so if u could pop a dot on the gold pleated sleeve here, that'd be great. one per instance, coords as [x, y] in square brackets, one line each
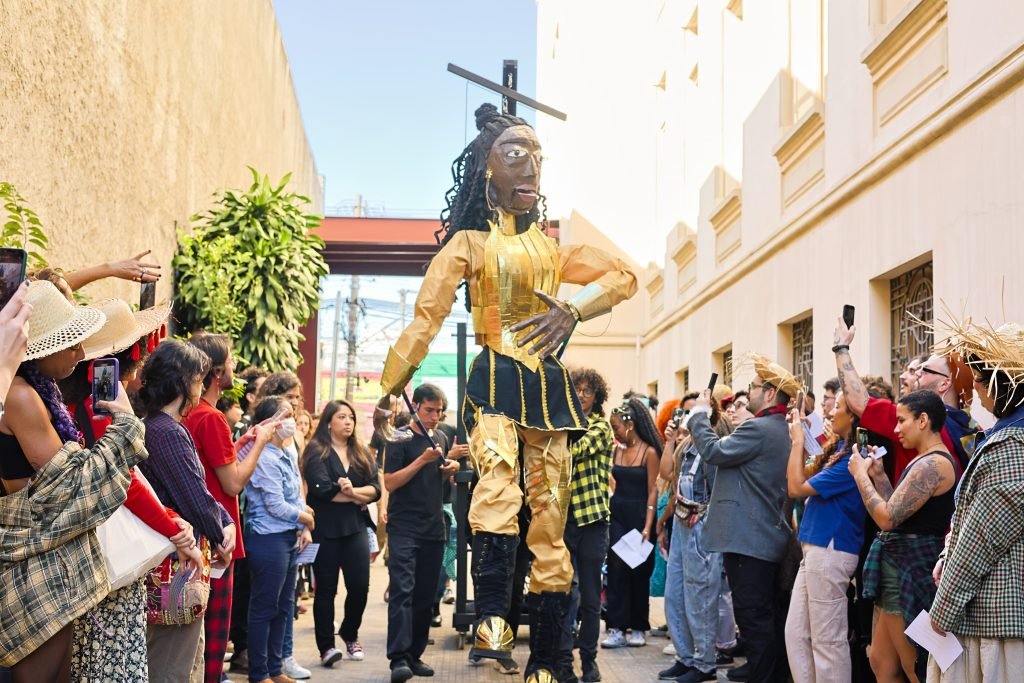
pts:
[608, 280]
[433, 304]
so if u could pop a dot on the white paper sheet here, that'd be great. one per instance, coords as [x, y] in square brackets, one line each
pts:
[309, 554]
[217, 572]
[633, 549]
[945, 648]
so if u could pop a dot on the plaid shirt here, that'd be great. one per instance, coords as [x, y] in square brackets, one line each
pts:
[981, 594]
[174, 470]
[51, 567]
[592, 462]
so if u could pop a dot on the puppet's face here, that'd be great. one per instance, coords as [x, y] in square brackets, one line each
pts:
[514, 161]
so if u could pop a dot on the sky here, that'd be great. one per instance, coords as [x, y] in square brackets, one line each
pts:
[383, 115]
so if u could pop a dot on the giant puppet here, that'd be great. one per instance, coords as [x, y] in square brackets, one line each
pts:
[520, 405]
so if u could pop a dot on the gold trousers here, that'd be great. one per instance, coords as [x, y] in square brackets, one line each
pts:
[494, 445]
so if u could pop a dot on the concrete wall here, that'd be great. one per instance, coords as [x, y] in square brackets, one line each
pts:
[840, 142]
[119, 119]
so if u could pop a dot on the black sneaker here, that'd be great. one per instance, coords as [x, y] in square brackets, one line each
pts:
[724, 659]
[697, 676]
[400, 672]
[239, 662]
[675, 671]
[591, 674]
[435, 621]
[419, 668]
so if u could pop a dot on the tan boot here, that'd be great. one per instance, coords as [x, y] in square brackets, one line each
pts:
[281, 678]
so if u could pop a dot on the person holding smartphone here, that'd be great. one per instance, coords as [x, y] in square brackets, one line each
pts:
[831, 535]
[914, 517]
[59, 491]
[13, 339]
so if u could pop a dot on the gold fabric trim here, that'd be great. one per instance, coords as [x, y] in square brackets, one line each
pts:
[544, 397]
[397, 373]
[522, 394]
[569, 391]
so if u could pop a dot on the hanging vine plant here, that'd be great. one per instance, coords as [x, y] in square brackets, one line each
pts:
[251, 269]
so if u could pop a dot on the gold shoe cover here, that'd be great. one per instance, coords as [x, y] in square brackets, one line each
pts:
[541, 676]
[494, 634]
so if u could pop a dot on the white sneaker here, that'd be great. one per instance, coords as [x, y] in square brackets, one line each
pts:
[615, 639]
[331, 657]
[289, 667]
[669, 650]
[354, 649]
[636, 639]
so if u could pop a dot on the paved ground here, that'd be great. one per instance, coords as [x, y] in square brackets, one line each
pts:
[628, 665]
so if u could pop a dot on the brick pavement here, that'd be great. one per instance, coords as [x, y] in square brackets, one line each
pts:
[627, 665]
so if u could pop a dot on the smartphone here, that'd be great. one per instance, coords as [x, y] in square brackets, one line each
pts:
[713, 381]
[800, 401]
[147, 296]
[862, 440]
[677, 417]
[105, 377]
[848, 315]
[12, 272]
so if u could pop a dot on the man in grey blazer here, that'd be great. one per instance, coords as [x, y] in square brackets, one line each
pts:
[745, 519]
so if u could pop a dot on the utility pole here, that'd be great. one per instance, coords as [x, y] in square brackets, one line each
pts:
[334, 344]
[353, 322]
[401, 303]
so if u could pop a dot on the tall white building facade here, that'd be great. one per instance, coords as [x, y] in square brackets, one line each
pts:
[763, 162]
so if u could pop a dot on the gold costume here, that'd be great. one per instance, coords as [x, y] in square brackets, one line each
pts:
[514, 398]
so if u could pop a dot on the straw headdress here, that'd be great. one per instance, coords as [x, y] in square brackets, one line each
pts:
[56, 324]
[123, 327]
[997, 349]
[776, 375]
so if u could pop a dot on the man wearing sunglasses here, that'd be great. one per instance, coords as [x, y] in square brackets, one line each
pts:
[946, 376]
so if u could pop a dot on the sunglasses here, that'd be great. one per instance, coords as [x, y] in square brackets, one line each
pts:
[623, 411]
[922, 369]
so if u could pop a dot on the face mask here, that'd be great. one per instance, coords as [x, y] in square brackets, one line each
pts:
[286, 429]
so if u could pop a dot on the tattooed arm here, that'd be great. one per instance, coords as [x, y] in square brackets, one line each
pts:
[932, 476]
[849, 381]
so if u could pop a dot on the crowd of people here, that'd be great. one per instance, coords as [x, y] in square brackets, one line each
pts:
[232, 491]
[808, 553]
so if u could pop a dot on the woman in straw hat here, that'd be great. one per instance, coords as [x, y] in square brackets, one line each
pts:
[96, 654]
[51, 569]
[980, 596]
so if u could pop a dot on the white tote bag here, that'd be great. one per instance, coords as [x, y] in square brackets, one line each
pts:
[130, 546]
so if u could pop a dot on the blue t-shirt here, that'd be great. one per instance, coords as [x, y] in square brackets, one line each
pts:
[836, 514]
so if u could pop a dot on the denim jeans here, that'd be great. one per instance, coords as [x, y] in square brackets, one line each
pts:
[693, 582]
[271, 601]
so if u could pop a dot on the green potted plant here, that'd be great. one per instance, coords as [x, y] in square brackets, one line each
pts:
[251, 269]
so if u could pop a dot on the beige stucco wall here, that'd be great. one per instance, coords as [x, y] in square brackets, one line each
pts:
[904, 147]
[119, 119]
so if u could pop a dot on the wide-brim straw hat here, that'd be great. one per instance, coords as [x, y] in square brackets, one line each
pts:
[776, 375]
[999, 349]
[123, 328]
[56, 324]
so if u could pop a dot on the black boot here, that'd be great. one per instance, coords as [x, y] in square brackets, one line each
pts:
[547, 625]
[494, 557]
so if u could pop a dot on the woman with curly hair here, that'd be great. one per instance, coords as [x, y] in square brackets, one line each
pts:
[633, 505]
[491, 240]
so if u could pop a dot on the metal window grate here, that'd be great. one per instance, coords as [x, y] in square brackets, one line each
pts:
[910, 294]
[803, 351]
